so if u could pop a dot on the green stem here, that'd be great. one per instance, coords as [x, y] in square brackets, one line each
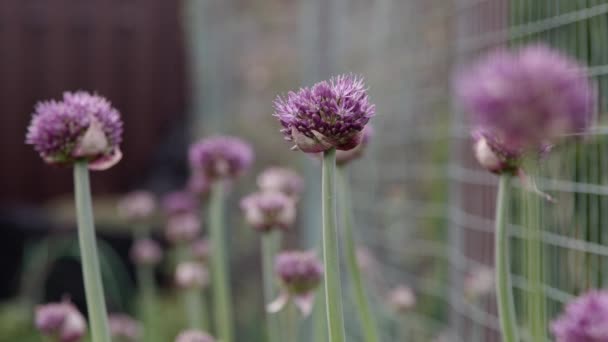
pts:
[194, 302]
[368, 324]
[333, 287]
[534, 260]
[270, 245]
[219, 273]
[292, 322]
[147, 287]
[318, 314]
[96, 305]
[506, 308]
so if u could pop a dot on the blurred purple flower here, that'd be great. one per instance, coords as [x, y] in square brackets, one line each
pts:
[220, 157]
[300, 274]
[61, 320]
[81, 127]
[345, 157]
[527, 99]
[585, 319]
[180, 202]
[124, 328]
[146, 252]
[191, 275]
[280, 179]
[402, 299]
[201, 250]
[194, 336]
[265, 211]
[331, 114]
[199, 184]
[137, 205]
[183, 228]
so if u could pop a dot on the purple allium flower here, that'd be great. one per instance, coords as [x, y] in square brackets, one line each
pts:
[527, 99]
[124, 328]
[62, 321]
[266, 211]
[201, 250]
[331, 114]
[345, 157]
[585, 319]
[183, 228]
[146, 252]
[220, 157]
[81, 127]
[180, 202]
[191, 275]
[300, 274]
[194, 336]
[137, 205]
[402, 299]
[280, 179]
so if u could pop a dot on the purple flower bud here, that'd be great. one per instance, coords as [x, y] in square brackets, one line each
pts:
[191, 275]
[221, 157]
[345, 157]
[179, 202]
[194, 336]
[146, 252]
[201, 250]
[402, 299]
[528, 98]
[300, 272]
[81, 127]
[137, 205]
[183, 228]
[585, 319]
[283, 180]
[331, 114]
[124, 328]
[266, 211]
[61, 320]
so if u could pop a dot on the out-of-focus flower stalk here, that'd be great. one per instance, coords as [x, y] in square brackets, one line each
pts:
[149, 307]
[331, 257]
[506, 306]
[270, 246]
[96, 304]
[368, 325]
[222, 304]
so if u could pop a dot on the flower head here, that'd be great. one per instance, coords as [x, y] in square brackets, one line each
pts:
[331, 114]
[183, 228]
[585, 319]
[191, 275]
[62, 321]
[280, 179]
[220, 157]
[124, 328]
[526, 99]
[265, 211]
[80, 127]
[402, 299]
[345, 157]
[146, 252]
[194, 336]
[137, 205]
[179, 202]
[300, 274]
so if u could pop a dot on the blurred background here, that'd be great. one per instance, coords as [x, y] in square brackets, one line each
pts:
[179, 70]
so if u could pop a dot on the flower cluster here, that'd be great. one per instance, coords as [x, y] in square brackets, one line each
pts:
[194, 336]
[183, 228]
[278, 179]
[191, 275]
[331, 114]
[179, 202]
[265, 211]
[137, 205]
[124, 328]
[220, 157]
[585, 319]
[402, 299]
[80, 127]
[523, 101]
[62, 321]
[146, 252]
[345, 157]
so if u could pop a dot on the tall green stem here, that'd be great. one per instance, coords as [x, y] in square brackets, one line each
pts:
[368, 324]
[194, 302]
[506, 307]
[534, 259]
[93, 286]
[222, 305]
[331, 258]
[147, 287]
[270, 246]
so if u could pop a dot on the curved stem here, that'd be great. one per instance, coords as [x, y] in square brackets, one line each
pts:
[368, 324]
[93, 286]
[219, 273]
[333, 287]
[506, 307]
[270, 246]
